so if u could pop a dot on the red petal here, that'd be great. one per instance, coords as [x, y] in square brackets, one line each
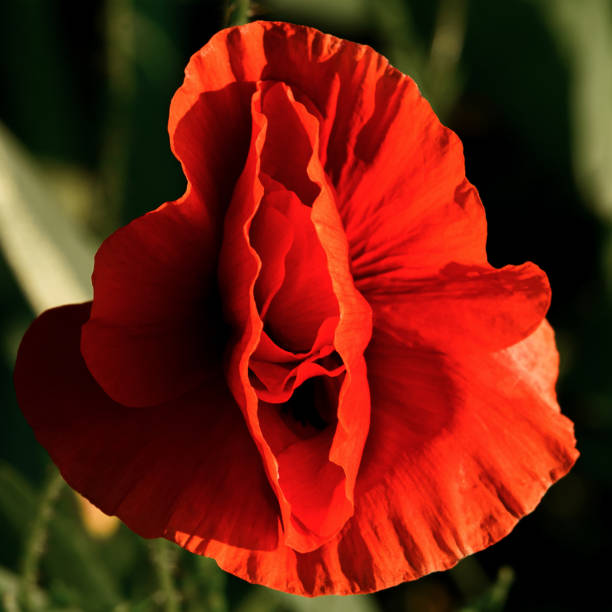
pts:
[281, 372]
[188, 466]
[270, 222]
[398, 173]
[466, 450]
[464, 308]
[535, 359]
[209, 128]
[410, 236]
[406, 205]
[470, 444]
[154, 283]
[305, 298]
[307, 521]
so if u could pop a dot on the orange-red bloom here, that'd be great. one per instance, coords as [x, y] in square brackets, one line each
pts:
[305, 367]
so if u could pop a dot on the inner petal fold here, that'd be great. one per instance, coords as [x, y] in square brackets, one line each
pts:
[296, 366]
[303, 297]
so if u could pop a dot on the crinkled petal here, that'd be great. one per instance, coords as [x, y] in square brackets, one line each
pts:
[458, 452]
[468, 444]
[398, 173]
[188, 466]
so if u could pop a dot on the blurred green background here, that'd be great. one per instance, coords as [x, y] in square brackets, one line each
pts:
[527, 85]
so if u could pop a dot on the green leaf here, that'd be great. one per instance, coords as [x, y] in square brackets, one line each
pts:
[401, 42]
[583, 31]
[495, 597]
[261, 599]
[237, 12]
[51, 257]
[204, 586]
[344, 14]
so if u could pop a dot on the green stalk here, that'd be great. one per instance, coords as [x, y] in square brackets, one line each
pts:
[37, 538]
[164, 561]
[237, 12]
[442, 77]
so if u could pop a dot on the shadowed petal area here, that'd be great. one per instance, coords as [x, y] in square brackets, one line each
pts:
[464, 308]
[209, 127]
[467, 447]
[148, 340]
[188, 466]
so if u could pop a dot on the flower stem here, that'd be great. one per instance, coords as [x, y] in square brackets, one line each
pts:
[164, 560]
[36, 540]
[236, 12]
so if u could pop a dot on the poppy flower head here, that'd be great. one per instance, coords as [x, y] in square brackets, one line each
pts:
[305, 367]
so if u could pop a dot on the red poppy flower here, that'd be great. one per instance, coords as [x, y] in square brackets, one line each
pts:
[305, 367]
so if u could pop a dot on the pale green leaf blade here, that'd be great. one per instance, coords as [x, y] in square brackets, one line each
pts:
[51, 256]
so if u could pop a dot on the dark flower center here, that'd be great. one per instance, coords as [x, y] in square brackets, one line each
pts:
[308, 405]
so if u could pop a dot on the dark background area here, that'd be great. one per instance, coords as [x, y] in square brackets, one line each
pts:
[86, 90]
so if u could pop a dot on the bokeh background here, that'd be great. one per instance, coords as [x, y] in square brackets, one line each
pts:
[85, 90]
